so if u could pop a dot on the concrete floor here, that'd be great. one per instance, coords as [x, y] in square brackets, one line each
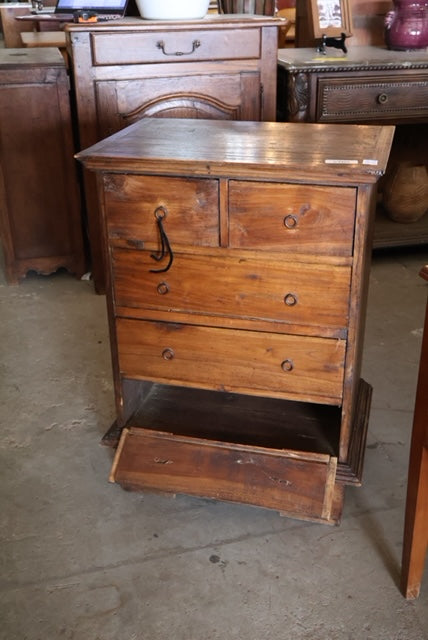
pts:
[83, 559]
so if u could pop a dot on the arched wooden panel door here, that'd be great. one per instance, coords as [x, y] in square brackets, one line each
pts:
[178, 97]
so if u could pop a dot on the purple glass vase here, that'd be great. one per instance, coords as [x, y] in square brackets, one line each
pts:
[406, 27]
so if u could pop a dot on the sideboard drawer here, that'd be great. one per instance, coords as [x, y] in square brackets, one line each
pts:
[190, 207]
[300, 484]
[178, 46]
[235, 286]
[292, 217]
[374, 99]
[255, 363]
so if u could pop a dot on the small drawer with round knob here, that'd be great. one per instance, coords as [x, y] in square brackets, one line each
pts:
[364, 99]
[291, 218]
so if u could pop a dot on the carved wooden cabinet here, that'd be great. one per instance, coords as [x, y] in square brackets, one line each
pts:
[40, 213]
[221, 67]
[368, 85]
[238, 264]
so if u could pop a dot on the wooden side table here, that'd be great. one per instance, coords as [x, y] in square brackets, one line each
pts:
[46, 39]
[368, 85]
[416, 522]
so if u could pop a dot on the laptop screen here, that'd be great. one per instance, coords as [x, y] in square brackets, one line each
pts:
[98, 6]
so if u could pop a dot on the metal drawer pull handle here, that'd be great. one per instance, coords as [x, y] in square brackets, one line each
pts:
[290, 299]
[290, 221]
[168, 354]
[382, 98]
[195, 44]
[162, 288]
[287, 365]
[160, 214]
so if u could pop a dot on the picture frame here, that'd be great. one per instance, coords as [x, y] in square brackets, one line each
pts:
[330, 17]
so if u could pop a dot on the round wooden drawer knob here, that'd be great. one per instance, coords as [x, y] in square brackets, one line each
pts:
[290, 221]
[287, 365]
[168, 354]
[162, 288]
[290, 299]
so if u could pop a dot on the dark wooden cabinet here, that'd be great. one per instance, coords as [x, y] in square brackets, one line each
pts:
[40, 213]
[369, 85]
[238, 258]
[221, 67]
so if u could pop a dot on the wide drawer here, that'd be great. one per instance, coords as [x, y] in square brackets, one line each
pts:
[295, 483]
[175, 46]
[255, 363]
[356, 100]
[188, 208]
[235, 286]
[292, 217]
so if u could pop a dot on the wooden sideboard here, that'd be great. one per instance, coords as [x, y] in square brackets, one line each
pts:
[238, 256]
[368, 85]
[221, 67]
[40, 213]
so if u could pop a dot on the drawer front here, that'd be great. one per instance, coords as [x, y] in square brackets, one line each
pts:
[132, 206]
[175, 46]
[274, 365]
[310, 294]
[365, 100]
[291, 482]
[296, 218]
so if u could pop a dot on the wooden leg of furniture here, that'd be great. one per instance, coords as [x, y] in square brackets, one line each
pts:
[11, 27]
[415, 540]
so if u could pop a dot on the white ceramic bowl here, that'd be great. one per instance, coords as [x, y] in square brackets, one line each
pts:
[172, 9]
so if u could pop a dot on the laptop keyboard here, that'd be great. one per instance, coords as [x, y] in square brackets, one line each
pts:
[105, 17]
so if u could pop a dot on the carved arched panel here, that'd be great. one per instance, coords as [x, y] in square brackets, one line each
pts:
[220, 97]
[190, 106]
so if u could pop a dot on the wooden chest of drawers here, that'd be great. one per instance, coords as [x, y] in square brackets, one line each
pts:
[237, 283]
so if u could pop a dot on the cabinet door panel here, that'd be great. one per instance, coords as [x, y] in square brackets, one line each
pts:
[218, 96]
[273, 365]
[190, 206]
[234, 286]
[292, 217]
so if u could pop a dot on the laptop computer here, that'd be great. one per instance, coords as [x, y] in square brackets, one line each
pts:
[103, 9]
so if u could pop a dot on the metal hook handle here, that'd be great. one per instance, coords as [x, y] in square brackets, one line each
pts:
[160, 215]
[195, 44]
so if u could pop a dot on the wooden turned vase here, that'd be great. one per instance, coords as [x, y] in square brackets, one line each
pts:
[405, 192]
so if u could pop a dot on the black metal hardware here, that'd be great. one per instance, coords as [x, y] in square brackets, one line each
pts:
[195, 44]
[160, 214]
